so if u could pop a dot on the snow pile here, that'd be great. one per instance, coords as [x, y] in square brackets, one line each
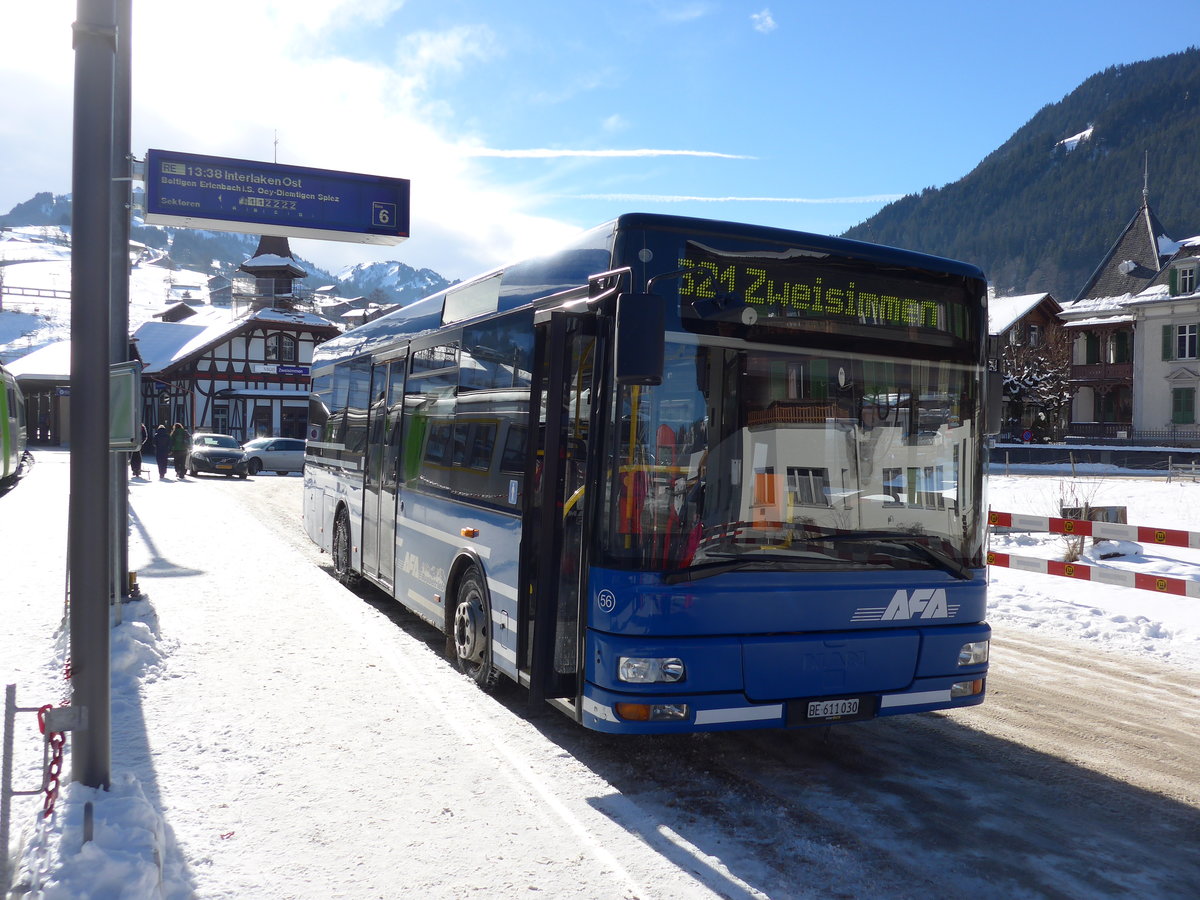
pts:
[100, 844]
[1075, 140]
[1165, 627]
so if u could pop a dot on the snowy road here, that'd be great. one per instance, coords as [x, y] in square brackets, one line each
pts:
[303, 741]
[1078, 777]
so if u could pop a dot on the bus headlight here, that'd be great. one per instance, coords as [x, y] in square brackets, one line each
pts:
[650, 669]
[973, 654]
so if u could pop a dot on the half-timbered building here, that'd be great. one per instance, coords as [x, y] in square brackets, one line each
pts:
[243, 372]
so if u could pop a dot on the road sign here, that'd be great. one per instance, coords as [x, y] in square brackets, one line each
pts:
[220, 194]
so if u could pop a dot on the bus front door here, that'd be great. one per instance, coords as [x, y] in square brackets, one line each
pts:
[554, 538]
[381, 481]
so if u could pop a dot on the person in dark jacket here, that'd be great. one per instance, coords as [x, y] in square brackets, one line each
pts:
[181, 444]
[135, 458]
[162, 450]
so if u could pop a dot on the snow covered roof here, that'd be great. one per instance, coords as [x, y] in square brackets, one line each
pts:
[49, 363]
[162, 344]
[1004, 312]
[270, 260]
[1098, 320]
[1096, 307]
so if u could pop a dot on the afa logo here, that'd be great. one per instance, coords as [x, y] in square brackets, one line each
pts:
[921, 603]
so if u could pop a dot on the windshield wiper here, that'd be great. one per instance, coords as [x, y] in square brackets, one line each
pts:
[721, 566]
[942, 560]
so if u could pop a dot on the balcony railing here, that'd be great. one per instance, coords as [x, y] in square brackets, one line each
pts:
[1103, 372]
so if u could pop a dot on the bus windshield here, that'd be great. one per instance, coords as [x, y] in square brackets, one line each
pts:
[758, 457]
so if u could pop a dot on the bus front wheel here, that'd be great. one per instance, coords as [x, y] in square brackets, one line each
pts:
[472, 631]
[341, 551]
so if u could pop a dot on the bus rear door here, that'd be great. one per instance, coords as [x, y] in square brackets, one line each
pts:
[381, 484]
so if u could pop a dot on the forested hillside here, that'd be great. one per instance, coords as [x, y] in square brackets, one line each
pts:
[1040, 212]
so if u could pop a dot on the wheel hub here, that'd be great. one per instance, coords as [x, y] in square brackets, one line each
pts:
[466, 630]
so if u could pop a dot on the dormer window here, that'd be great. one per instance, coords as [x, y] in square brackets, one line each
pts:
[1187, 279]
[1183, 277]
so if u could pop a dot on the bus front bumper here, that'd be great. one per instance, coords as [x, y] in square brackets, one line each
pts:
[619, 713]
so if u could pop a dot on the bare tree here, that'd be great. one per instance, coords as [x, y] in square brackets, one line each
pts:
[1036, 382]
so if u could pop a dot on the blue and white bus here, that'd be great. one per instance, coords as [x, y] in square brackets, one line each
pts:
[682, 475]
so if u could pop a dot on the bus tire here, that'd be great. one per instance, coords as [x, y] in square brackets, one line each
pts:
[471, 635]
[342, 569]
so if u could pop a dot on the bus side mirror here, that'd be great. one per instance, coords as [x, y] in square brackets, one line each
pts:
[640, 345]
[995, 402]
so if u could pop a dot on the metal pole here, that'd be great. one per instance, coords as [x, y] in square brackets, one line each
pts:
[89, 525]
[122, 200]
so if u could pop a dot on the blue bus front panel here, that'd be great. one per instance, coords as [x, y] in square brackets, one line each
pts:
[778, 656]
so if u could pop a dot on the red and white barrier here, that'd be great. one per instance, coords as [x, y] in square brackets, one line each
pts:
[1101, 574]
[1163, 537]
[1168, 537]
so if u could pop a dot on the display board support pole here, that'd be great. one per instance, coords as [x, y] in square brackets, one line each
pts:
[89, 522]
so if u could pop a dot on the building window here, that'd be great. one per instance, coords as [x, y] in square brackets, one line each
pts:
[1183, 406]
[220, 418]
[1121, 347]
[1035, 335]
[808, 487]
[281, 348]
[1187, 280]
[1185, 341]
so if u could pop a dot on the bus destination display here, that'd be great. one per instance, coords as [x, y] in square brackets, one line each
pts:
[791, 292]
[267, 198]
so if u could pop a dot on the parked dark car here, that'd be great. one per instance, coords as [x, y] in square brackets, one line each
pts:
[275, 454]
[217, 454]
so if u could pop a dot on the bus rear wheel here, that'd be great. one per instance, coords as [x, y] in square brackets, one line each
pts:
[472, 631]
[341, 551]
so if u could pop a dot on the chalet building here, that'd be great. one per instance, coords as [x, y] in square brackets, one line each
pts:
[1135, 369]
[1102, 366]
[1028, 343]
[247, 374]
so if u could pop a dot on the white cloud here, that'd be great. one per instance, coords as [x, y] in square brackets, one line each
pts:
[763, 21]
[686, 12]
[614, 123]
[202, 85]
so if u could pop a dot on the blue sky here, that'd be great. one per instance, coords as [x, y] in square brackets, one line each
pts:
[522, 122]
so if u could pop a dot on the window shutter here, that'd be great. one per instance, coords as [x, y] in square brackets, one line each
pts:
[1168, 338]
[1173, 280]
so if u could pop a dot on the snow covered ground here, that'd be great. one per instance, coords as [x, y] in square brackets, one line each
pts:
[260, 625]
